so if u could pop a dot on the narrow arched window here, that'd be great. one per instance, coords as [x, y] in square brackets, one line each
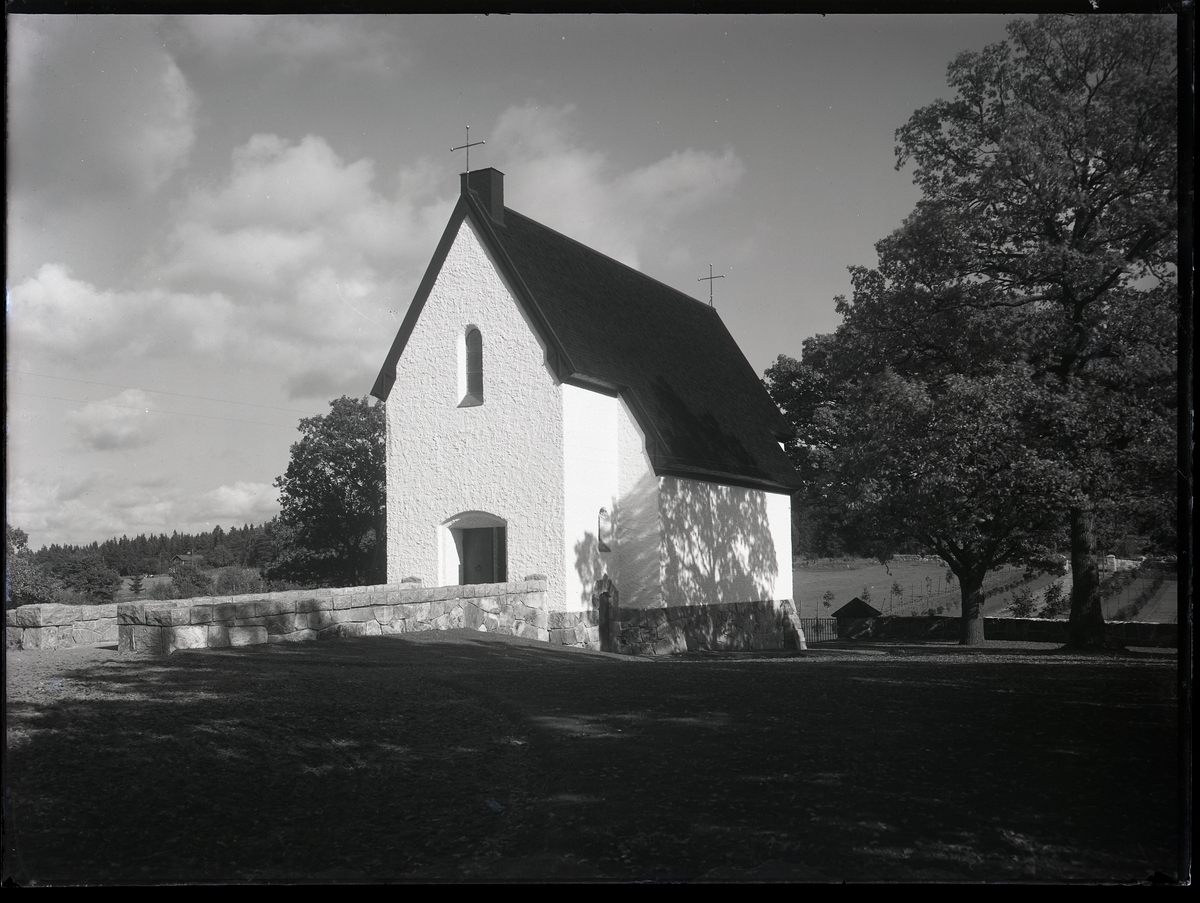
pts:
[474, 368]
[604, 530]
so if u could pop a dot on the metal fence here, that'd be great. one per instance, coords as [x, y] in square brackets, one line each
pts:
[819, 630]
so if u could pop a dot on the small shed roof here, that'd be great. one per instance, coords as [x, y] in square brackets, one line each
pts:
[856, 608]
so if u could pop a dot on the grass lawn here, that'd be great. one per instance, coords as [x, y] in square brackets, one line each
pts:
[461, 756]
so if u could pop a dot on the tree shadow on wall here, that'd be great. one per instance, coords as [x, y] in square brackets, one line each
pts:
[717, 544]
[715, 547]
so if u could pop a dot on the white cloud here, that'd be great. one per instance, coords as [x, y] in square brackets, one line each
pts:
[121, 422]
[52, 317]
[292, 261]
[240, 503]
[555, 179]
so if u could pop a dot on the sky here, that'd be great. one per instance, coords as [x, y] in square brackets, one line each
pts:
[216, 224]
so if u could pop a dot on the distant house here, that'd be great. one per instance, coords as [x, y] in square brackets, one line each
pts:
[192, 559]
[553, 411]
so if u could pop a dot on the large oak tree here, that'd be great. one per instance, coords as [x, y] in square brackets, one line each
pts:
[1050, 184]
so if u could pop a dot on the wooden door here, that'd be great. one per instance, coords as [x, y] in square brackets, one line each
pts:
[479, 560]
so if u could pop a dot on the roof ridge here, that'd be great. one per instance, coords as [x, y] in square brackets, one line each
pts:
[592, 250]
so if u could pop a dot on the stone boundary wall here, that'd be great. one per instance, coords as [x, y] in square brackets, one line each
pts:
[516, 609]
[1036, 630]
[730, 626]
[60, 626]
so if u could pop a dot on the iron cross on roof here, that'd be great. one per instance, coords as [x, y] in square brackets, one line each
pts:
[467, 147]
[709, 278]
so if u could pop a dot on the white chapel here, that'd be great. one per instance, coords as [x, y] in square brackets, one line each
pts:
[552, 411]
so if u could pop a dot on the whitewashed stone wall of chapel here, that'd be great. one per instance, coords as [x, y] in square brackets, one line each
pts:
[504, 457]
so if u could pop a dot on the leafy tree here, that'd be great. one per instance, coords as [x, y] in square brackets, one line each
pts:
[84, 573]
[333, 498]
[1022, 603]
[188, 581]
[1050, 192]
[26, 582]
[1055, 603]
[952, 467]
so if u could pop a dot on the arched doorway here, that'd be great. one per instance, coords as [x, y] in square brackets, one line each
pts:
[474, 549]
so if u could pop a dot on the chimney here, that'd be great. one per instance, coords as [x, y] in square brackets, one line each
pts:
[488, 186]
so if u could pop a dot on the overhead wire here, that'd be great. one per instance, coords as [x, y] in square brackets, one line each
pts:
[131, 407]
[91, 382]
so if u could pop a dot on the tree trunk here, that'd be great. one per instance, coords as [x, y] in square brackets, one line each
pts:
[1086, 627]
[971, 626]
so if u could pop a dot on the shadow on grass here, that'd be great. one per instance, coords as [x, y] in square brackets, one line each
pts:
[460, 757]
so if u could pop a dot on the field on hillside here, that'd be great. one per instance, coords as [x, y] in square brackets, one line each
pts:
[924, 584]
[923, 581]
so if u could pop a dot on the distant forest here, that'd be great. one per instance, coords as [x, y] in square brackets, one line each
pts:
[248, 546]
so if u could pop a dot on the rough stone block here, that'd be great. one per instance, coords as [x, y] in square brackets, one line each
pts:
[62, 615]
[224, 611]
[274, 606]
[528, 630]
[664, 647]
[24, 616]
[344, 630]
[247, 636]
[218, 636]
[40, 638]
[165, 614]
[320, 620]
[296, 636]
[248, 622]
[200, 614]
[143, 639]
[284, 622]
[382, 613]
[393, 628]
[82, 635]
[13, 637]
[186, 637]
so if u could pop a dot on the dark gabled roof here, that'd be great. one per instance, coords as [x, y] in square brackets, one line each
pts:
[702, 407]
[856, 608]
